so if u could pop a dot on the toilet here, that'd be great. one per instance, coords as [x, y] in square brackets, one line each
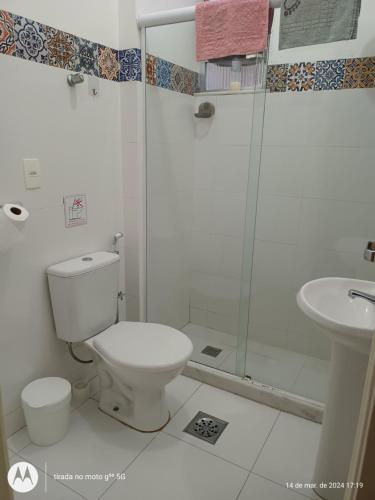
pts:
[134, 361]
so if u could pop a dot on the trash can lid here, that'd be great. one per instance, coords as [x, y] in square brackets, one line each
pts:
[47, 391]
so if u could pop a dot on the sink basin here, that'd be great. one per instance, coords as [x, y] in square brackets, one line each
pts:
[350, 321]
[350, 324]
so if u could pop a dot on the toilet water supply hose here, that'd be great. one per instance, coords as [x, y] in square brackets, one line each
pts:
[75, 357]
[120, 296]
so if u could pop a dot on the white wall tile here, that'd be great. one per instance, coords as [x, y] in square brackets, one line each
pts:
[234, 119]
[319, 118]
[340, 173]
[278, 219]
[282, 170]
[336, 225]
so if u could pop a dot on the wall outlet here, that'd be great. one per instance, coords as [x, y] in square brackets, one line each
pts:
[31, 170]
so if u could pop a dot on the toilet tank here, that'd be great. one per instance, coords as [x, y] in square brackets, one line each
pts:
[84, 295]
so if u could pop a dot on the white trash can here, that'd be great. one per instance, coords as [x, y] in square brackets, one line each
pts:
[46, 405]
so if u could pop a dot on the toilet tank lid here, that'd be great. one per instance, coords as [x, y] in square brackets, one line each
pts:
[45, 392]
[83, 264]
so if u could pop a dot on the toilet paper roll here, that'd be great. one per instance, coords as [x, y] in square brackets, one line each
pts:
[12, 220]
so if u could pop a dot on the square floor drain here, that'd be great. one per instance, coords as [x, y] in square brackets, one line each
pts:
[211, 351]
[206, 427]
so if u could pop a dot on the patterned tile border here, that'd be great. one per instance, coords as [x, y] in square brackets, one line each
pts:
[7, 39]
[130, 61]
[33, 41]
[28, 39]
[336, 74]
[164, 74]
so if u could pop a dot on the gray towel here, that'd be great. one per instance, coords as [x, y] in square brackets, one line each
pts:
[310, 22]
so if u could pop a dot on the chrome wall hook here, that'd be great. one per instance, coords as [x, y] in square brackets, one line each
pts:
[75, 78]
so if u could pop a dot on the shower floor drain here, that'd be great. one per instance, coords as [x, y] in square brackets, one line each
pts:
[206, 427]
[211, 351]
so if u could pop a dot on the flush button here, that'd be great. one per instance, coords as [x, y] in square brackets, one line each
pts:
[87, 259]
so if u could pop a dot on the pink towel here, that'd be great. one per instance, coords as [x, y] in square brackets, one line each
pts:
[231, 27]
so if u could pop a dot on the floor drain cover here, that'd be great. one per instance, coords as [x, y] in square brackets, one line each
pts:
[206, 427]
[211, 351]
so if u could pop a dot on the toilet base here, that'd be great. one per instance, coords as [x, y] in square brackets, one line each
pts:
[147, 412]
[142, 408]
[116, 417]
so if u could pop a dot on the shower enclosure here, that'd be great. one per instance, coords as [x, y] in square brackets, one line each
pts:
[212, 270]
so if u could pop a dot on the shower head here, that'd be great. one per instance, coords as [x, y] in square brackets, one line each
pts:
[75, 78]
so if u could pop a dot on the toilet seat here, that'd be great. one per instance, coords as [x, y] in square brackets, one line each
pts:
[143, 346]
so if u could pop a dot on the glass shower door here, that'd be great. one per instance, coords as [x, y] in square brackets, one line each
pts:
[202, 180]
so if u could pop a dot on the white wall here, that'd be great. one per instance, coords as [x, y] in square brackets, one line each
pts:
[77, 139]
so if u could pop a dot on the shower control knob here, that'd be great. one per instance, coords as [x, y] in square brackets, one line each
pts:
[205, 110]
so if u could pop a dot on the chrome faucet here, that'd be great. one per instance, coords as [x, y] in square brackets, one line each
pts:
[362, 295]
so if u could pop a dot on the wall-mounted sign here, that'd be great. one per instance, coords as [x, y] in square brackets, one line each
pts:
[75, 207]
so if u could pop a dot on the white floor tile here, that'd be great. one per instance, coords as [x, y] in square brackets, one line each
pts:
[19, 440]
[241, 441]
[54, 491]
[312, 381]
[95, 444]
[179, 391]
[290, 452]
[169, 470]
[258, 488]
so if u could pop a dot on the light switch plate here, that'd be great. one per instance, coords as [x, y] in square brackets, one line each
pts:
[31, 170]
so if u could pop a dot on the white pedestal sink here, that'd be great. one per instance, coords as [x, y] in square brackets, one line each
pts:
[350, 323]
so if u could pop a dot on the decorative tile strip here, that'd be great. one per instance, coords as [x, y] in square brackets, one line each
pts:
[164, 74]
[7, 39]
[130, 65]
[61, 49]
[359, 73]
[335, 74]
[277, 75]
[329, 75]
[301, 77]
[109, 67]
[33, 41]
[87, 56]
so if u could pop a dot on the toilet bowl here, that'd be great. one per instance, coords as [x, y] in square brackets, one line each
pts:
[135, 361]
